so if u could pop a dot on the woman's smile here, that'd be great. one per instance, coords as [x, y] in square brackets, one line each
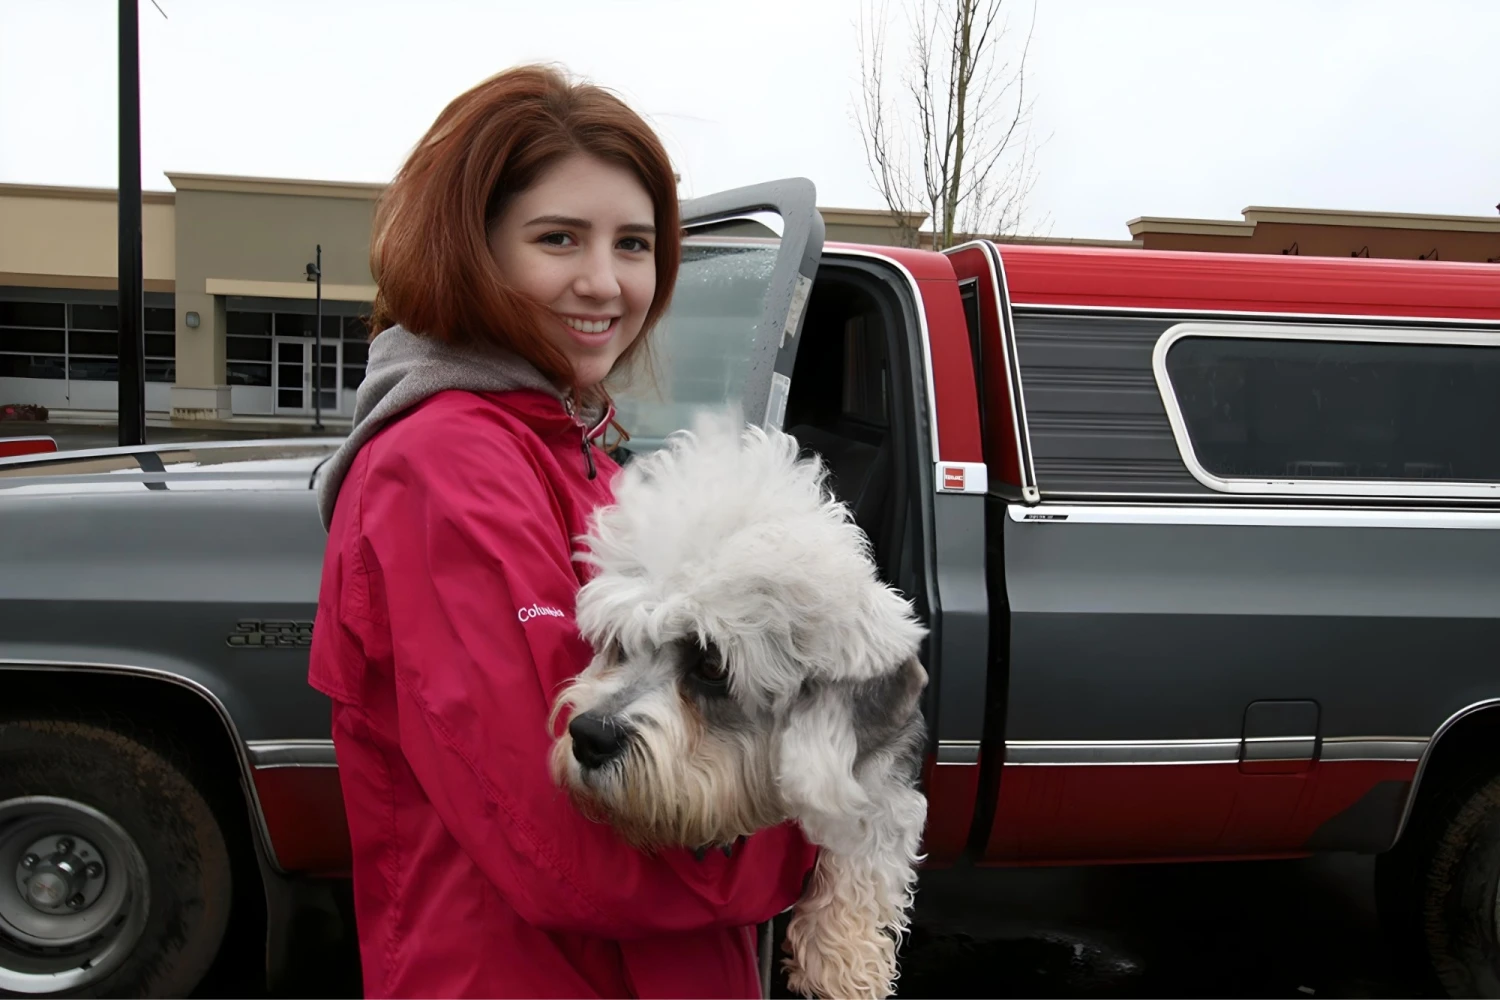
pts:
[591, 331]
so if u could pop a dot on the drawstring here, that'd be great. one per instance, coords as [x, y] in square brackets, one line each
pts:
[588, 452]
[611, 447]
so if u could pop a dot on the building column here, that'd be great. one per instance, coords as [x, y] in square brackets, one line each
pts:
[201, 391]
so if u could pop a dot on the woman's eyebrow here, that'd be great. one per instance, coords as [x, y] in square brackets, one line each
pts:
[577, 223]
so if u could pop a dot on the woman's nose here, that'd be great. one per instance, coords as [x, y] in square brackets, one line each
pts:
[597, 280]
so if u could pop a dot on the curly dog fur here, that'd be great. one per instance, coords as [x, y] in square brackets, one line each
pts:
[750, 668]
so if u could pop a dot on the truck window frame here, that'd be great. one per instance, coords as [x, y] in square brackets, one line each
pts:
[1342, 489]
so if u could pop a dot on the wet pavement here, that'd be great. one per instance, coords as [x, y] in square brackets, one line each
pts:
[1253, 929]
[1258, 929]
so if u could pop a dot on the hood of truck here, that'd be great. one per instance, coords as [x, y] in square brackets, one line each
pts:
[276, 464]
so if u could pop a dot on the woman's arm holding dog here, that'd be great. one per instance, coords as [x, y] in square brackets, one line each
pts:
[474, 574]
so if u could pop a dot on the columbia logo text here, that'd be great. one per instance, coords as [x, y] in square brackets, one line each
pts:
[538, 611]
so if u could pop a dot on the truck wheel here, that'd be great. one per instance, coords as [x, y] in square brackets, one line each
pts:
[114, 874]
[1459, 897]
[1438, 890]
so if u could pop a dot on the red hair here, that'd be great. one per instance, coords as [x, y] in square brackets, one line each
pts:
[430, 251]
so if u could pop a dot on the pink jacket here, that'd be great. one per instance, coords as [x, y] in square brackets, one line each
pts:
[444, 628]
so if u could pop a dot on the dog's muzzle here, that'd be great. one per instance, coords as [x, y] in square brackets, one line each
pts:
[597, 739]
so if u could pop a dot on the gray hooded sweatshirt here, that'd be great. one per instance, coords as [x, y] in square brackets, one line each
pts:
[405, 369]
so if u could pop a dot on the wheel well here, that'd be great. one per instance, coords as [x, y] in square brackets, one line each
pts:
[1463, 754]
[173, 717]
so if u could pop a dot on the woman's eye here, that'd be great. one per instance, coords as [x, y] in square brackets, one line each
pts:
[556, 239]
[634, 244]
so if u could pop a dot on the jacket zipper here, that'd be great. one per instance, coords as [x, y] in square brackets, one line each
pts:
[588, 453]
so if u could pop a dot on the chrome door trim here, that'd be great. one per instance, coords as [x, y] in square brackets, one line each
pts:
[1111, 753]
[1247, 515]
[1071, 753]
[266, 754]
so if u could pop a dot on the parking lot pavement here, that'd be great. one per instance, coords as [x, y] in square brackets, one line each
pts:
[1291, 929]
[1304, 928]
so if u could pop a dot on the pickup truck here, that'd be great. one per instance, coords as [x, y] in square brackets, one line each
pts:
[1209, 545]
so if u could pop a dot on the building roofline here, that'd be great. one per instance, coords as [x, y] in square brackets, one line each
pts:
[866, 216]
[1255, 214]
[355, 190]
[1373, 220]
[68, 193]
[1189, 227]
[235, 184]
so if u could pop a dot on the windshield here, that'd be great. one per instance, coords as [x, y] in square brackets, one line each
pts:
[700, 352]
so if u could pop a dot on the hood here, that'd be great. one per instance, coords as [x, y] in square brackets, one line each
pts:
[403, 370]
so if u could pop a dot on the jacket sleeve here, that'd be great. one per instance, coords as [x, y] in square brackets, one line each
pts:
[470, 564]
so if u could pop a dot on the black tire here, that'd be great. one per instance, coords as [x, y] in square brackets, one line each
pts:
[1438, 892]
[164, 940]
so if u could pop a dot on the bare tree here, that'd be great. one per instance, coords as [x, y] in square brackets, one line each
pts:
[961, 108]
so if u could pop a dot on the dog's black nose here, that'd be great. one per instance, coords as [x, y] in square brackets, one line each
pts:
[596, 740]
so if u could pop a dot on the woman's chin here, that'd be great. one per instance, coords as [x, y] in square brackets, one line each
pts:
[591, 367]
[589, 372]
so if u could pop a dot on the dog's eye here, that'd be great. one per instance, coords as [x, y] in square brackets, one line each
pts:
[705, 668]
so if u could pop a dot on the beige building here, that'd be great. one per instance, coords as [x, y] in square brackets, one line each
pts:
[1321, 232]
[229, 309]
[230, 312]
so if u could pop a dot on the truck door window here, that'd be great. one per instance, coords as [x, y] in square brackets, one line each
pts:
[700, 353]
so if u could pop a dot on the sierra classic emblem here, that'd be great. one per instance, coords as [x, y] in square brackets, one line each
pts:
[256, 633]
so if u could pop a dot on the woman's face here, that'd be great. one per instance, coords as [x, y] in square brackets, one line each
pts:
[582, 241]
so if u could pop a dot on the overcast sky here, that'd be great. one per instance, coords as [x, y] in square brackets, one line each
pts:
[1149, 107]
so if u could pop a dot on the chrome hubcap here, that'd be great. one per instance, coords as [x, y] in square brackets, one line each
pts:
[61, 874]
[77, 900]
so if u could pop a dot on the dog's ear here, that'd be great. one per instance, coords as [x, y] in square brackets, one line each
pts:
[850, 757]
[816, 753]
[910, 681]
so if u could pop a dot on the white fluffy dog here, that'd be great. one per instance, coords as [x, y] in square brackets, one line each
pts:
[751, 669]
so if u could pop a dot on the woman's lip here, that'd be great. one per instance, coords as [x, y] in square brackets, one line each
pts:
[592, 339]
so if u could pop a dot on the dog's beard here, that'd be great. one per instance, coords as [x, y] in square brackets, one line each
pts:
[678, 783]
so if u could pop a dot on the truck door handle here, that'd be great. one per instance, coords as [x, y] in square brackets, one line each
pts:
[1280, 737]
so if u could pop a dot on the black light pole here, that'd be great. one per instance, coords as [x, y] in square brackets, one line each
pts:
[315, 273]
[131, 294]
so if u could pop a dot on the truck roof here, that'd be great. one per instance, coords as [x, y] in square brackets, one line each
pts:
[1189, 281]
[1119, 278]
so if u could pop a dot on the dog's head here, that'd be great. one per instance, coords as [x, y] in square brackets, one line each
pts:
[746, 654]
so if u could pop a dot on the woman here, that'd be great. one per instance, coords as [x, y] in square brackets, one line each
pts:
[522, 254]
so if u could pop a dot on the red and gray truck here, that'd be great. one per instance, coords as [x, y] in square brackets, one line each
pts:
[1209, 545]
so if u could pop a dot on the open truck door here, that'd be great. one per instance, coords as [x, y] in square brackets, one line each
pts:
[732, 332]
